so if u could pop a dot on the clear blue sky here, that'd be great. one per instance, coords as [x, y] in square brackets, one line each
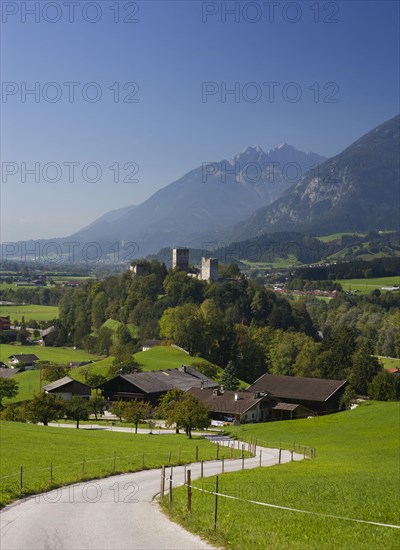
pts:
[169, 53]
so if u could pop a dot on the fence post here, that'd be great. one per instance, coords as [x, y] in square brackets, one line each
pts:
[197, 453]
[189, 493]
[51, 472]
[260, 457]
[170, 487]
[280, 455]
[21, 473]
[216, 503]
[184, 473]
[217, 451]
[201, 469]
[291, 456]
[223, 464]
[243, 457]
[231, 451]
[162, 482]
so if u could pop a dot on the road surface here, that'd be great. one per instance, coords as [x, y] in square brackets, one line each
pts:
[115, 513]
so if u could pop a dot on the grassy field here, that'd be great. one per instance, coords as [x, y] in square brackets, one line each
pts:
[389, 362]
[355, 474]
[365, 286]
[35, 447]
[58, 355]
[336, 236]
[34, 312]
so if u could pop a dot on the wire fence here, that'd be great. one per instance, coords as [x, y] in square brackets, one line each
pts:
[26, 480]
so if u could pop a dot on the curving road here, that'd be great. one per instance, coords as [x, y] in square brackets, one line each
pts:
[118, 512]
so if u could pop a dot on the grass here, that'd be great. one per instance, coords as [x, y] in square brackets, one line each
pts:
[36, 447]
[336, 236]
[355, 474]
[58, 355]
[389, 362]
[365, 286]
[30, 312]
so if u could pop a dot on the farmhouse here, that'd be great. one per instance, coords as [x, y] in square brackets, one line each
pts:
[27, 360]
[150, 386]
[317, 394]
[232, 406]
[45, 334]
[67, 387]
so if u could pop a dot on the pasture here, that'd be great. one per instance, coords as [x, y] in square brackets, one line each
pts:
[29, 312]
[365, 286]
[77, 455]
[355, 475]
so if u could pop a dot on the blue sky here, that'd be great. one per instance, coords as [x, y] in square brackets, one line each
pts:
[335, 74]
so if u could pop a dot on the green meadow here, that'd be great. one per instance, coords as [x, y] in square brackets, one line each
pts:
[29, 312]
[355, 475]
[78, 455]
[365, 286]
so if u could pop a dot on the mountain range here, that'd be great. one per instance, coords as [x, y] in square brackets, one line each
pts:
[204, 202]
[257, 193]
[357, 190]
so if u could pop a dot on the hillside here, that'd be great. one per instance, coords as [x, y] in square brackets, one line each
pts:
[350, 477]
[356, 190]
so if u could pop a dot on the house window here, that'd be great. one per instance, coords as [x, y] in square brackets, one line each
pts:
[252, 415]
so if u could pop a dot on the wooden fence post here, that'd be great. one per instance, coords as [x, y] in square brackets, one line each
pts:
[280, 455]
[202, 469]
[242, 457]
[162, 482]
[197, 453]
[291, 456]
[170, 487]
[223, 464]
[216, 503]
[231, 451]
[260, 457]
[217, 451]
[189, 492]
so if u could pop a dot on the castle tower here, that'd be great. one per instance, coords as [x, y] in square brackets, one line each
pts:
[180, 258]
[209, 269]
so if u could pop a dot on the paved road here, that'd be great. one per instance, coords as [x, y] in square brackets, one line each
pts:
[116, 513]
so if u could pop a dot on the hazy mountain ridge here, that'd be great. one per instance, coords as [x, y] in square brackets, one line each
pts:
[204, 201]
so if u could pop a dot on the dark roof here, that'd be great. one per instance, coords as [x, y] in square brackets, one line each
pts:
[152, 343]
[182, 378]
[25, 357]
[8, 373]
[297, 387]
[47, 331]
[285, 406]
[226, 402]
[64, 382]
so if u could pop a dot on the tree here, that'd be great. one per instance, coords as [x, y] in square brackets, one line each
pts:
[77, 408]
[23, 333]
[123, 362]
[96, 405]
[185, 326]
[191, 414]
[136, 411]
[183, 410]
[52, 372]
[44, 408]
[118, 409]
[364, 369]
[99, 307]
[8, 388]
[228, 379]
[385, 387]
